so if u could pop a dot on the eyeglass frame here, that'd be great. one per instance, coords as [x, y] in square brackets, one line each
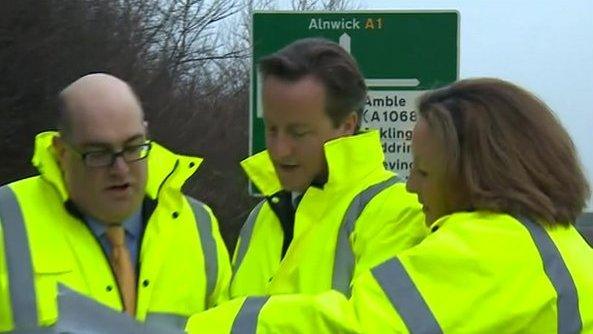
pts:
[147, 144]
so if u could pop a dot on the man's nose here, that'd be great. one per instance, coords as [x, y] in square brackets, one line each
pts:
[411, 185]
[119, 165]
[281, 146]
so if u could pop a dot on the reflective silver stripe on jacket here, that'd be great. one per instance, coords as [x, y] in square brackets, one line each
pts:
[18, 260]
[166, 321]
[245, 236]
[246, 320]
[37, 330]
[569, 316]
[81, 314]
[204, 225]
[405, 297]
[344, 260]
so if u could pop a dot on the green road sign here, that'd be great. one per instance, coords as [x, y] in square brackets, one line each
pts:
[401, 54]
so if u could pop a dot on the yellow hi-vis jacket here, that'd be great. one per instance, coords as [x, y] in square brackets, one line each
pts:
[478, 272]
[358, 219]
[482, 272]
[183, 263]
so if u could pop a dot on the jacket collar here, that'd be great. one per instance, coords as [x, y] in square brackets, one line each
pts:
[348, 158]
[165, 168]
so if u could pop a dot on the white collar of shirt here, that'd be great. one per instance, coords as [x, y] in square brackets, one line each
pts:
[295, 198]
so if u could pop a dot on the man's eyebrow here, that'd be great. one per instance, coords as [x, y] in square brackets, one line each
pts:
[104, 145]
[135, 137]
[298, 126]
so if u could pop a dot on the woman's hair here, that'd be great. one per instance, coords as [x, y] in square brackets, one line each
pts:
[506, 150]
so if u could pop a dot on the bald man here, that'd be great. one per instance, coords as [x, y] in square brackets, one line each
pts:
[106, 218]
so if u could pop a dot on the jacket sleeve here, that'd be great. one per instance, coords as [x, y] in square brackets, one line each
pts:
[369, 310]
[391, 223]
[327, 312]
[374, 311]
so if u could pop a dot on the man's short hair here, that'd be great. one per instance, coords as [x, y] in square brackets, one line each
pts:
[327, 62]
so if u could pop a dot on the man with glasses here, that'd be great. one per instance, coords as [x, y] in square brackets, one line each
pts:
[107, 219]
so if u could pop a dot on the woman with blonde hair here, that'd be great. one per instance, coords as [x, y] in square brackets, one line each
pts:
[501, 186]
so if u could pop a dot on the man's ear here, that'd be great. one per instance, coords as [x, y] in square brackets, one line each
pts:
[349, 124]
[145, 125]
[59, 147]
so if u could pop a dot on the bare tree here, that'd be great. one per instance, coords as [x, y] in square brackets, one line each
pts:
[189, 61]
[328, 5]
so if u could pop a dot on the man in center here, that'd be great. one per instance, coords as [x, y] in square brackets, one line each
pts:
[331, 209]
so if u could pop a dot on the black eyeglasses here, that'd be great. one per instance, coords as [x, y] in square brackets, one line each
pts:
[104, 158]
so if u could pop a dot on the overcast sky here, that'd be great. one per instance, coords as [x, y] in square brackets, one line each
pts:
[545, 46]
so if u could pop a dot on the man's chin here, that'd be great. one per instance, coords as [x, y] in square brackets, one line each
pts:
[291, 186]
[121, 210]
[118, 217]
